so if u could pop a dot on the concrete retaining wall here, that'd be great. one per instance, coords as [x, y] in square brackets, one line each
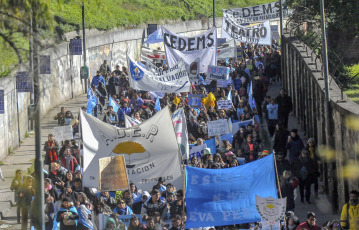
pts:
[64, 81]
[303, 79]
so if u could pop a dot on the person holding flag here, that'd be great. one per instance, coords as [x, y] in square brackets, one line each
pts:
[110, 116]
[91, 101]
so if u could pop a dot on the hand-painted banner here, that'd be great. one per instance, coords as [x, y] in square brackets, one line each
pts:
[180, 126]
[156, 56]
[218, 73]
[259, 34]
[218, 127]
[228, 196]
[147, 155]
[174, 80]
[197, 151]
[224, 104]
[112, 174]
[256, 13]
[151, 67]
[190, 48]
[226, 50]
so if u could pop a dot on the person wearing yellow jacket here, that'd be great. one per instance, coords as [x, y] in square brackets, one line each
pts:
[350, 215]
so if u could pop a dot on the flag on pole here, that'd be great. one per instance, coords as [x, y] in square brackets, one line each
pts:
[114, 105]
[157, 104]
[91, 101]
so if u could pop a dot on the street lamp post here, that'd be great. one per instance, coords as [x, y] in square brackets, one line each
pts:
[214, 12]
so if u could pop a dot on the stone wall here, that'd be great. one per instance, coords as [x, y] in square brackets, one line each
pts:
[303, 79]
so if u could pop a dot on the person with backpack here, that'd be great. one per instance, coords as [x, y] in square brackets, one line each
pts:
[306, 171]
[350, 213]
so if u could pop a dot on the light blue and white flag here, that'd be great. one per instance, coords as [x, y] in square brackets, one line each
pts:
[130, 121]
[114, 105]
[155, 37]
[91, 101]
[228, 196]
[157, 104]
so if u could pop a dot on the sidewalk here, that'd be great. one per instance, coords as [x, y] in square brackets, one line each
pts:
[321, 207]
[22, 159]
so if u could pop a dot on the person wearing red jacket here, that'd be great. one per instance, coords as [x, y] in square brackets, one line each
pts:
[68, 161]
[310, 224]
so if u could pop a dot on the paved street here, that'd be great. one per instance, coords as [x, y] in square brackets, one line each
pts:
[23, 156]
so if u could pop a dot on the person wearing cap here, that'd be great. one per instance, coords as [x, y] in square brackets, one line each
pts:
[136, 207]
[294, 146]
[161, 185]
[155, 204]
[264, 153]
[67, 215]
[207, 158]
[310, 224]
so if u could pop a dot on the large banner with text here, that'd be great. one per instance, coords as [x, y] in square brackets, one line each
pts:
[189, 49]
[147, 155]
[228, 196]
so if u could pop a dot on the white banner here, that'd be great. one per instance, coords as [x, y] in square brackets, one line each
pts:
[203, 46]
[256, 13]
[197, 151]
[174, 80]
[150, 150]
[218, 73]
[151, 67]
[224, 104]
[227, 50]
[180, 126]
[62, 133]
[259, 34]
[149, 55]
[270, 209]
[218, 127]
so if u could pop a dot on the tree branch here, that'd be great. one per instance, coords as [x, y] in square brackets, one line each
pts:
[12, 45]
[11, 16]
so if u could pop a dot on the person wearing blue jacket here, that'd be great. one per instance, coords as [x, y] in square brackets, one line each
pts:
[84, 222]
[122, 208]
[272, 108]
[97, 79]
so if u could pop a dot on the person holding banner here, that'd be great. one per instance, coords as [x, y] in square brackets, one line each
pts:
[110, 116]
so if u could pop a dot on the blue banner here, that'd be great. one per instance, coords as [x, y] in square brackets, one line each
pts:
[113, 103]
[227, 137]
[155, 37]
[194, 100]
[211, 143]
[236, 125]
[217, 197]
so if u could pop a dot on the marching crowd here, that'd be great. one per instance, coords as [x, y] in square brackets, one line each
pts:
[69, 205]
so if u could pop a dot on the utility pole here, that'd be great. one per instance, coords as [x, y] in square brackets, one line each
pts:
[84, 42]
[39, 174]
[327, 96]
[31, 69]
[214, 12]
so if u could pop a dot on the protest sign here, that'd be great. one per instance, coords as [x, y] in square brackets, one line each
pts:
[237, 125]
[63, 133]
[256, 13]
[218, 73]
[190, 48]
[271, 210]
[228, 196]
[180, 126]
[173, 80]
[224, 104]
[112, 173]
[226, 50]
[259, 34]
[221, 84]
[147, 155]
[197, 151]
[194, 100]
[218, 127]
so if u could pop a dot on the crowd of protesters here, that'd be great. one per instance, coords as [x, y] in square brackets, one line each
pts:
[69, 205]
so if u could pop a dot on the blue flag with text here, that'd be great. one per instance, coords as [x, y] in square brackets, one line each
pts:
[228, 196]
